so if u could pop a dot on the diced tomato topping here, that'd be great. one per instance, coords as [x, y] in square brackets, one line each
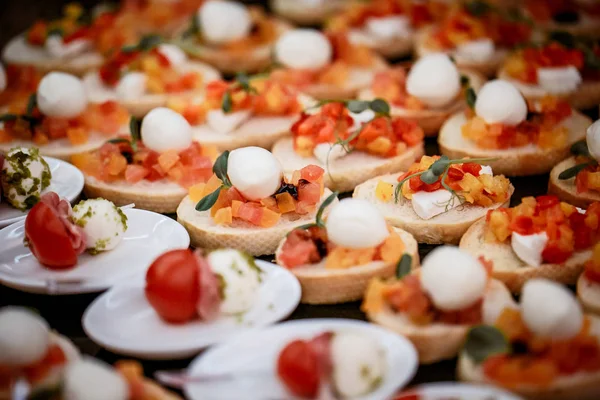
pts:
[312, 173]
[299, 249]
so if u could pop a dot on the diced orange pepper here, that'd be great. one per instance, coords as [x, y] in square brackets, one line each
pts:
[116, 164]
[269, 218]
[235, 207]
[77, 135]
[270, 203]
[168, 159]
[5, 136]
[223, 216]
[40, 139]
[196, 192]
[285, 202]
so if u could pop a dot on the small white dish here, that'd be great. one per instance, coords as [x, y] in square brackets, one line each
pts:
[123, 321]
[252, 358]
[148, 235]
[67, 181]
[451, 390]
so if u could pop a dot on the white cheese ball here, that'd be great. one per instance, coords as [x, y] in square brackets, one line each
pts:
[255, 172]
[434, 79]
[359, 364]
[24, 337]
[501, 102]
[25, 174]
[174, 54]
[452, 278]
[103, 223]
[550, 310]
[90, 379]
[356, 224]
[3, 82]
[224, 21]
[303, 49]
[164, 129]
[593, 139]
[61, 95]
[240, 279]
[132, 86]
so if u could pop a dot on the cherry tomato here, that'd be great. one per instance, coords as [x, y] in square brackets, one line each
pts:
[173, 286]
[48, 238]
[298, 368]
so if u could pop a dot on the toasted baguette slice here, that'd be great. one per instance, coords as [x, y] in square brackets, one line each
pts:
[509, 269]
[257, 131]
[19, 52]
[437, 341]
[240, 235]
[444, 228]
[580, 386]
[98, 92]
[306, 12]
[486, 68]
[344, 174]
[394, 47]
[522, 161]
[334, 286]
[566, 189]
[431, 119]
[588, 293]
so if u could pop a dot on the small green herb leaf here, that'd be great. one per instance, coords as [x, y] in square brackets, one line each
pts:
[220, 168]
[324, 205]
[429, 177]
[208, 201]
[243, 80]
[580, 149]
[149, 42]
[357, 106]
[470, 97]
[380, 106]
[31, 104]
[8, 117]
[484, 341]
[135, 132]
[404, 266]
[226, 104]
[194, 28]
[440, 165]
[573, 171]
[118, 140]
[304, 227]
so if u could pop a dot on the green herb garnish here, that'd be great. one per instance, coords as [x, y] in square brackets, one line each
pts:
[484, 341]
[404, 266]
[220, 170]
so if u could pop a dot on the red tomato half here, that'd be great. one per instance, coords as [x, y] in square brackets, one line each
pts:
[173, 286]
[298, 368]
[48, 238]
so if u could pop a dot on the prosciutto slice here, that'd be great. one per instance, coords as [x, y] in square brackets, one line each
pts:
[62, 208]
[209, 301]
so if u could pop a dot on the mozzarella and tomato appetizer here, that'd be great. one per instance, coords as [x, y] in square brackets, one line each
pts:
[182, 285]
[588, 284]
[340, 365]
[25, 175]
[257, 193]
[57, 234]
[548, 339]
[57, 117]
[576, 16]
[354, 234]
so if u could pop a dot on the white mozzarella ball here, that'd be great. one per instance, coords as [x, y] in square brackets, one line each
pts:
[452, 278]
[593, 139]
[3, 82]
[103, 223]
[389, 27]
[25, 174]
[303, 49]
[24, 337]
[255, 172]
[61, 95]
[356, 224]
[559, 80]
[90, 379]
[501, 102]
[434, 79]
[359, 364]
[174, 54]
[164, 129]
[132, 86]
[240, 277]
[550, 310]
[224, 21]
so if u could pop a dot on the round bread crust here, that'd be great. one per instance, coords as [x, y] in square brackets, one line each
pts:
[580, 386]
[345, 174]
[447, 228]
[301, 14]
[514, 272]
[256, 241]
[587, 26]
[334, 286]
[434, 342]
[566, 189]
[522, 161]
[588, 293]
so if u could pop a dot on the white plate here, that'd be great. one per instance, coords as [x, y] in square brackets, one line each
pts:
[123, 321]
[67, 182]
[148, 235]
[462, 391]
[253, 358]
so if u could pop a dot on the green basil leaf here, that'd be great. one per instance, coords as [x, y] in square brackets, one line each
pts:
[220, 168]
[149, 42]
[484, 341]
[440, 165]
[324, 205]
[244, 80]
[404, 266]
[470, 97]
[226, 104]
[31, 104]
[580, 149]
[208, 201]
[118, 140]
[573, 171]
[194, 28]
[303, 227]
[429, 177]
[380, 106]
[130, 48]
[357, 106]
[134, 131]
[8, 117]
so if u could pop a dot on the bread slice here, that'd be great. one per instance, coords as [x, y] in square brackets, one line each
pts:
[586, 26]
[580, 386]
[521, 161]
[334, 286]
[566, 189]
[586, 96]
[431, 119]
[161, 196]
[509, 268]
[306, 13]
[390, 48]
[240, 235]
[19, 52]
[344, 174]
[588, 293]
[257, 131]
[98, 92]
[486, 68]
[448, 227]
[436, 341]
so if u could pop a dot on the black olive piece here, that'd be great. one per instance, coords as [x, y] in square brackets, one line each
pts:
[321, 247]
[566, 17]
[288, 188]
[519, 347]
[128, 156]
